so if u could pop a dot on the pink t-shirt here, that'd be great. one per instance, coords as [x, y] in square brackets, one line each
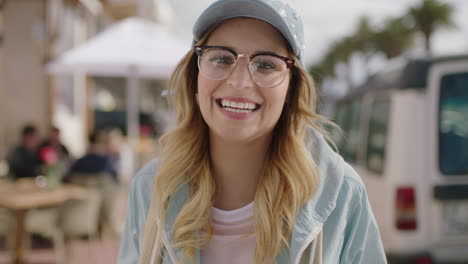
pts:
[233, 241]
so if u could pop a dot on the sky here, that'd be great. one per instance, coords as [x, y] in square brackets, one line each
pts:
[330, 20]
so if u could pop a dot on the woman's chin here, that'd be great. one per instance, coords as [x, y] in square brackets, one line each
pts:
[234, 137]
[238, 136]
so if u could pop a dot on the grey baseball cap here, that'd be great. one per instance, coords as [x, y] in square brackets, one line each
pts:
[274, 12]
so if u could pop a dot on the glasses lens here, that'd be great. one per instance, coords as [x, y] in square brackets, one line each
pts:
[268, 71]
[216, 63]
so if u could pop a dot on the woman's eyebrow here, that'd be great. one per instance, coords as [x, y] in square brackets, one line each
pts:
[266, 52]
[220, 46]
[223, 46]
[256, 52]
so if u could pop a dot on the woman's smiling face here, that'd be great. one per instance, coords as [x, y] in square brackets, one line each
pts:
[226, 104]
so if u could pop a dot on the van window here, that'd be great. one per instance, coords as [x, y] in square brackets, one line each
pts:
[340, 120]
[453, 124]
[377, 137]
[348, 117]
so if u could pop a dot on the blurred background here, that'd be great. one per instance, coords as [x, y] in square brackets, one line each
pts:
[82, 104]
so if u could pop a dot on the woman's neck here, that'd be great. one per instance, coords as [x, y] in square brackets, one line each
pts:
[237, 168]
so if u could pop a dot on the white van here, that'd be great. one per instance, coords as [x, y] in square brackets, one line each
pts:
[406, 134]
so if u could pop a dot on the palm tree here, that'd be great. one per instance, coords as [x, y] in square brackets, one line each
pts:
[394, 38]
[363, 36]
[324, 69]
[343, 51]
[363, 41]
[430, 16]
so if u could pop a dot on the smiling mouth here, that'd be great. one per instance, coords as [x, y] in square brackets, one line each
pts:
[238, 107]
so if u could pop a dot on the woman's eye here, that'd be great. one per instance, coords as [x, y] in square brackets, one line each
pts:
[263, 65]
[222, 59]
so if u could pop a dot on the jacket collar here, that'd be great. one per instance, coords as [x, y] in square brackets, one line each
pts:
[311, 217]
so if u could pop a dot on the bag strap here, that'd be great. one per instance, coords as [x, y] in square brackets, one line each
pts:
[150, 241]
[318, 249]
[313, 252]
[149, 236]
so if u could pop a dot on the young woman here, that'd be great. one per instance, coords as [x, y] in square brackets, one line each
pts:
[246, 176]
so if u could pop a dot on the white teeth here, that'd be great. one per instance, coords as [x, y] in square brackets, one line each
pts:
[237, 110]
[239, 106]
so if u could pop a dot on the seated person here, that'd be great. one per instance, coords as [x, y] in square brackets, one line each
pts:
[54, 142]
[22, 160]
[94, 162]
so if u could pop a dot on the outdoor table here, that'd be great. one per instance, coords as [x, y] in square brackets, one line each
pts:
[24, 195]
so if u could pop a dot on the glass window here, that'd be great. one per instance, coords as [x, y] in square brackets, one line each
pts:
[353, 134]
[348, 117]
[377, 137]
[453, 124]
[340, 120]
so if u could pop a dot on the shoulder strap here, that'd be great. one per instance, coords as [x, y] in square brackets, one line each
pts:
[150, 241]
[313, 252]
[149, 236]
[318, 250]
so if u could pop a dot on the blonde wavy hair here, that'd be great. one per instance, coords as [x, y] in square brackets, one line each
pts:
[290, 177]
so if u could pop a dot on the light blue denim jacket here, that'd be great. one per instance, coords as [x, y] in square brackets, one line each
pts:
[340, 210]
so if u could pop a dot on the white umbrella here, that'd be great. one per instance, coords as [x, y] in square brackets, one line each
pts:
[149, 49]
[132, 48]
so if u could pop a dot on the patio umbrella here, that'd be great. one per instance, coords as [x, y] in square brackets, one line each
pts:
[133, 48]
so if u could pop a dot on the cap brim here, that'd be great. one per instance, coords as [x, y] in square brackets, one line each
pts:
[224, 10]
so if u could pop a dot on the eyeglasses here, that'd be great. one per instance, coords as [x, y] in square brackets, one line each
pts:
[267, 69]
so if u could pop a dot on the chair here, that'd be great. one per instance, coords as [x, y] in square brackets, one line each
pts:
[104, 184]
[5, 219]
[81, 217]
[5, 215]
[98, 209]
[76, 218]
[46, 223]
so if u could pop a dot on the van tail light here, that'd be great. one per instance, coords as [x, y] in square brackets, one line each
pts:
[405, 209]
[422, 260]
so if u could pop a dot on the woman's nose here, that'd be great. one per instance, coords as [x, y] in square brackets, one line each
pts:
[240, 76]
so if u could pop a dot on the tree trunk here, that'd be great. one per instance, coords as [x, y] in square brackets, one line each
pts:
[427, 42]
[348, 78]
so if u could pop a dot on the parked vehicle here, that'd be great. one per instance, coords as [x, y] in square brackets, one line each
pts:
[406, 133]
